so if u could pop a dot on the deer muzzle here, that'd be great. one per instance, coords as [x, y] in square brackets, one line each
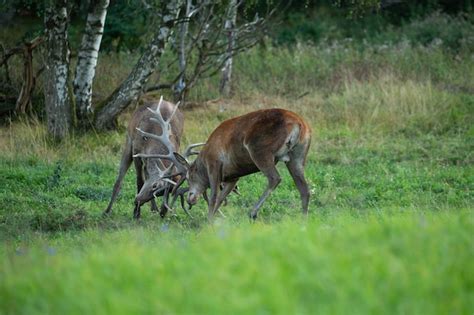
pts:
[192, 198]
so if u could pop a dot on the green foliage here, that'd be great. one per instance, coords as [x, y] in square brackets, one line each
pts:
[322, 26]
[454, 33]
[126, 25]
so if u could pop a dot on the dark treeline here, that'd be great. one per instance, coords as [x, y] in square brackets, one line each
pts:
[129, 23]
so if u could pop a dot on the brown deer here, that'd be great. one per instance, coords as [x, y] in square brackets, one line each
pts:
[152, 173]
[244, 145]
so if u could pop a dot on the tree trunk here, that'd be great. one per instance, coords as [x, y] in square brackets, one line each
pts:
[180, 86]
[131, 89]
[57, 103]
[29, 78]
[225, 85]
[87, 59]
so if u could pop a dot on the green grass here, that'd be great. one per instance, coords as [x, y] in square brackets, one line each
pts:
[390, 231]
[347, 173]
[404, 263]
[391, 172]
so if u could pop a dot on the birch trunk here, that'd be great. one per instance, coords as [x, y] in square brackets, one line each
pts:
[131, 89]
[180, 86]
[87, 59]
[57, 103]
[225, 85]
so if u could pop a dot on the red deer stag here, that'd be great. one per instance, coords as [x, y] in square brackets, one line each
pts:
[247, 144]
[152, 173]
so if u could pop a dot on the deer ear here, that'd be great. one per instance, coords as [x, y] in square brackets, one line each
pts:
[181, 159]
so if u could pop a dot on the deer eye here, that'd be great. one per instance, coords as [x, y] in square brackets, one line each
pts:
[155, 185]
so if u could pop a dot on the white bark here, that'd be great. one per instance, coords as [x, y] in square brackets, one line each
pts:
[57, 102]
[225, 85]
[87, 58]
[180, 86]
[131, 89]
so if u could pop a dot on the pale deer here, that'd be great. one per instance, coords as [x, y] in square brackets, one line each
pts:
[152, 173]
[246, 144]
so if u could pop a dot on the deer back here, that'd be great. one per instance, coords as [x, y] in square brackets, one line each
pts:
[268, 131]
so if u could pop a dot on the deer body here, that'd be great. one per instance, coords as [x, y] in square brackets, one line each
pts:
[149, 171]
[247, 144]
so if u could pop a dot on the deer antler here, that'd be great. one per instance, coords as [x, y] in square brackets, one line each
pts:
[180, 193]
[165, 133]
[187, 153]
[164, 138]
[189, 150]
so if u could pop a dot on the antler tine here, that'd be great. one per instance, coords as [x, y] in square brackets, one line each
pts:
[174, 110]
[164, 123]
[164, 138]
[180, 194]
[150, 135]
[164, 171]
[178, 184]
[157, 111]
[189, 150]
[168, 181]
[146, 156]
[162, 164]
[159, 118]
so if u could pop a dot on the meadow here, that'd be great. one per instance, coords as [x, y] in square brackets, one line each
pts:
[391, 211]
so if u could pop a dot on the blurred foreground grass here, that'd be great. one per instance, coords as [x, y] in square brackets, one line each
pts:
[402, 263]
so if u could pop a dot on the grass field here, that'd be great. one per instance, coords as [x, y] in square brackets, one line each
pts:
[397, 263]
[391, 221]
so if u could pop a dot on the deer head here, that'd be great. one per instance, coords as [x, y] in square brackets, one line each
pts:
[160, 181]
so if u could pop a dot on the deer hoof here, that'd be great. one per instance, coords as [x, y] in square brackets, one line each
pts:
[253, 215]
[136, 215]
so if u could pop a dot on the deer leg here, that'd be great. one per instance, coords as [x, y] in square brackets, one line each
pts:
[124, 165]
[215, 185]
[226, 190]
[273, 180]
[295, 167]
[234, 189]
[206, 198]
[204, 195]
[153, 206]
[163, 210]
[164, 205]
[140, 182]
[267, 166]
[212, 201]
